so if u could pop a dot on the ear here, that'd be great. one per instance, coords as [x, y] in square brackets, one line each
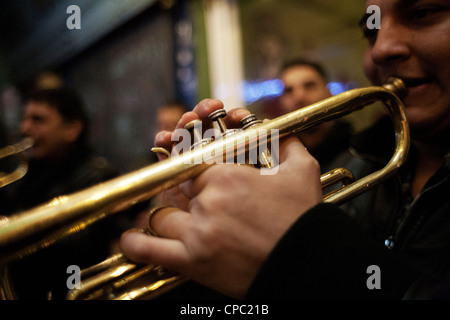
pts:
[73, 130]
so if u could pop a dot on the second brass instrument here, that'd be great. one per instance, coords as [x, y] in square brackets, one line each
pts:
[29, 231]
[17, 150]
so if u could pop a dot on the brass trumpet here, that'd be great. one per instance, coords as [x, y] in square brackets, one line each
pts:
[15, 150]
[116, 277]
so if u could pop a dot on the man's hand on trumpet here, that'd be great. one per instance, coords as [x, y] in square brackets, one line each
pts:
[230, 217]
[168, 139]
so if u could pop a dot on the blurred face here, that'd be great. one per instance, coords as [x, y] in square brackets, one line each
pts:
[52, 135]
[413, 43]
[167, 118]
[303, 85]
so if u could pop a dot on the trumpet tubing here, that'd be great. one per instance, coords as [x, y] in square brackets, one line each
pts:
[15, 150]
[29, 231]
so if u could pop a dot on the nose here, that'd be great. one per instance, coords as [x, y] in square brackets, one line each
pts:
[299, 96]
[391, 44]
[26, 127]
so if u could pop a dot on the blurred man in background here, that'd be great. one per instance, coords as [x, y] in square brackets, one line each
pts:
[60, 162]
[305, 83]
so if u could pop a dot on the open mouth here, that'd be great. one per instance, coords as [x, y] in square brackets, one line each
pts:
[415, 82]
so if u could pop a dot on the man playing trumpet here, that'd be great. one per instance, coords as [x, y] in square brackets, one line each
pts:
[272, 237]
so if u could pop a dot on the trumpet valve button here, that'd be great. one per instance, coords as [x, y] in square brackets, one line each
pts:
[249, 121]
[217, 117]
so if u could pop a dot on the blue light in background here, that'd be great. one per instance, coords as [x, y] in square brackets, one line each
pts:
[255, 90]
[336, 88]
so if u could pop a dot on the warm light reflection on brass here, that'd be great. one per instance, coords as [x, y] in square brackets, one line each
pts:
[29, 231]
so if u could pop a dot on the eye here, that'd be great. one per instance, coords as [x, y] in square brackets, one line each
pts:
[37, 119]
[424, 14]
[368, 33]
[310, 85]
[287, 90]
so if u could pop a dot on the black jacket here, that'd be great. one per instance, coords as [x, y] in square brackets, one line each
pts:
[327, 252]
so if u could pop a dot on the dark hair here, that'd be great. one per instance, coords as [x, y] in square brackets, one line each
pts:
[303, 62]
[68, 103]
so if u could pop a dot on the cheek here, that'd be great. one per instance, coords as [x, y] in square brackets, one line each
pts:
[370, 69]
[286, 103]
[51, 138]
[318, 95]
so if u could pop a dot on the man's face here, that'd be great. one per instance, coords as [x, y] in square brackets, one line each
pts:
[303, 86]
[413, 43]
[51, 134]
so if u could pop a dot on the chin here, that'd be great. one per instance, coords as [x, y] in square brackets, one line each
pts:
[430, 130]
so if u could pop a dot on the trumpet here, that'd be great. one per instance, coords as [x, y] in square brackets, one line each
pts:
[15, 150]
[119, 278]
